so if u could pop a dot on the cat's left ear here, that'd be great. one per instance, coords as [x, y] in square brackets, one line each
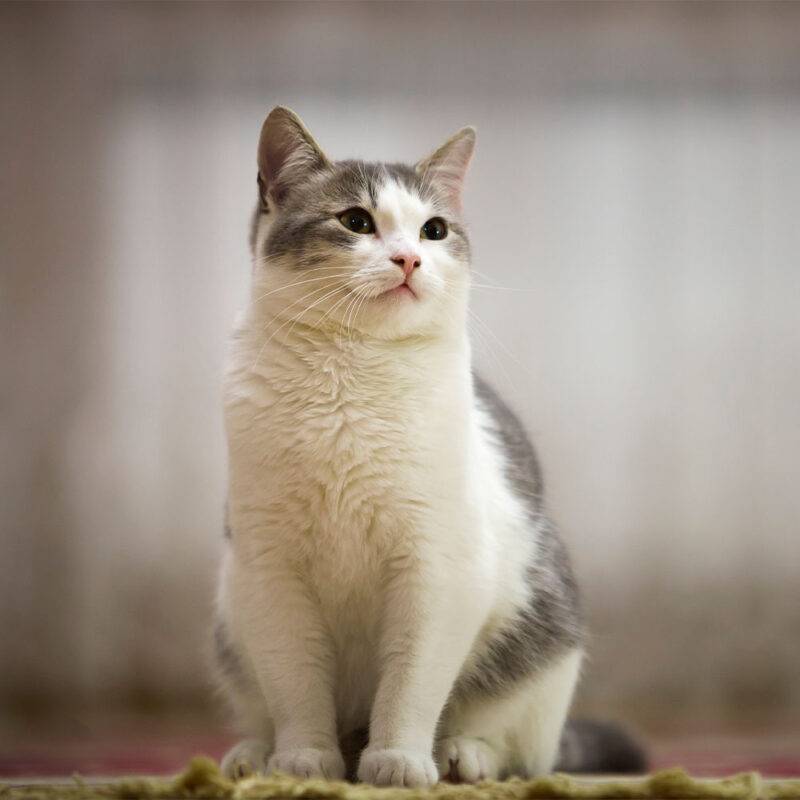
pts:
[287, 153]
[447, 166]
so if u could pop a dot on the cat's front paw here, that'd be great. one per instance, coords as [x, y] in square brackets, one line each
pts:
[248, 757]
[466, 760]
[397, 768]
[308, 762]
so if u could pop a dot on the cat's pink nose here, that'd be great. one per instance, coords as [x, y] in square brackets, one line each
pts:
[407, 261]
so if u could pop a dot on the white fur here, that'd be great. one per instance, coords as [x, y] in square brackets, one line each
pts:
[478, 734]
[376, 541]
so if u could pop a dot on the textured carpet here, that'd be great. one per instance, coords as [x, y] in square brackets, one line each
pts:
[105, 750]
[202, 779]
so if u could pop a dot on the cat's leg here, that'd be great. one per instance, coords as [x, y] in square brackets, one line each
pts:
[246, 757]
[513, 732]
[432, 612]
[240, 688]
[538, 733]
[250, 755]
[291, 654]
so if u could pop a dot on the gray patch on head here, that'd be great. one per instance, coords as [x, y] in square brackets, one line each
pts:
[307, 225]
[409, 178]
[550, 624]
[302, 236]
[357, 179]
[307, 222]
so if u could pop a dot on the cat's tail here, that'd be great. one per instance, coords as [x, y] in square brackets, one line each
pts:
[599, 747]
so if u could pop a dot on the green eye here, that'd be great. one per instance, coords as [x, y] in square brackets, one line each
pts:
[434, 228]
[357, 220]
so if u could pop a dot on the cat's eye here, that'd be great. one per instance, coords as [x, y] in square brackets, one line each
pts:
[357, 220]
[434, 228]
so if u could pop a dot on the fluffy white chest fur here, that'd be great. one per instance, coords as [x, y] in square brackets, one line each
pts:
[386, 571]
[357, 459]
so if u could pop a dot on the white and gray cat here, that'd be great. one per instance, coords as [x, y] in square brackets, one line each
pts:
[394, 603]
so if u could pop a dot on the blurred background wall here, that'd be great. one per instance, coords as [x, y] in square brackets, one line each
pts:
[636, 189]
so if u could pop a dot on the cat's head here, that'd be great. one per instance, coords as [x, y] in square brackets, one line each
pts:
[354, 246]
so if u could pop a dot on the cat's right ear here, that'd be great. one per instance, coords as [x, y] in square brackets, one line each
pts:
[287, 153]
[447, 166]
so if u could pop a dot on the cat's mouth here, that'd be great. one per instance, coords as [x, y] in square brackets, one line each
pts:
[402, 290]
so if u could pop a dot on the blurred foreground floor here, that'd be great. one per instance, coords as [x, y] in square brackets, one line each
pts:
[156, 747]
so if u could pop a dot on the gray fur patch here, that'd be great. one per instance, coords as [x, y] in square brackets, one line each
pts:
[523, 465]
[307, 225]
[302, 235]
[227, 657]
[551, 623]
[409, 178]
[599, 747]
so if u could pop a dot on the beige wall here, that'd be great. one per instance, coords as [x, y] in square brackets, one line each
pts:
[637, 180]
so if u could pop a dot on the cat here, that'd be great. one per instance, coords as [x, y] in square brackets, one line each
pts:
[391, 582]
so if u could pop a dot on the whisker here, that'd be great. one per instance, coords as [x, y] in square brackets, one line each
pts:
[343, 329]
[481, 274]
[316, 303]
[302, 271]
[487, 347]
[503, 347]
[294, 320]
[365, 296]
[348, 309]
[473, 285]
[359, 298]
[317, 250]
[336, 305]
[300, 283]
[491, 283]
[502, 288]
[305, 297]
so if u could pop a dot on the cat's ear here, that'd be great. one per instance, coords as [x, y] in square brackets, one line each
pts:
[287, 153]
[447, 166]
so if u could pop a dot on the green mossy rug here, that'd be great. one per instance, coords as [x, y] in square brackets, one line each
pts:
[202, 779]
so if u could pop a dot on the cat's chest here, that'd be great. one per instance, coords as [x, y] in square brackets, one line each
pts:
[351, 444]
[342, 458]
[329, 455]
[346, 477]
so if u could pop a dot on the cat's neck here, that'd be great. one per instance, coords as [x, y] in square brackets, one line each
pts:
[352, 357]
